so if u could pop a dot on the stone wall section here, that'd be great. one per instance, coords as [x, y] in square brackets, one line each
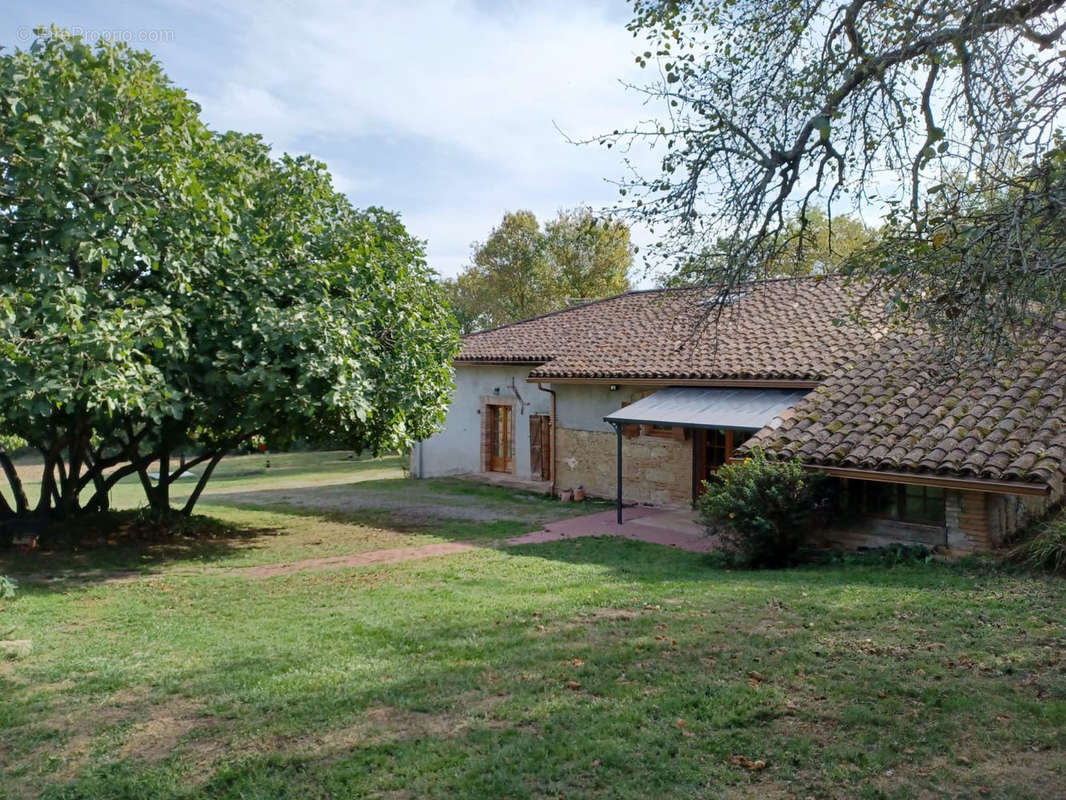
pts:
[655, 470]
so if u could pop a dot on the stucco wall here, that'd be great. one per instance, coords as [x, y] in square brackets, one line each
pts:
[582, 407]
[456, 448]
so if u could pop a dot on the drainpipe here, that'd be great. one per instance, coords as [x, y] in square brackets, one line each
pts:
[554, 453]
[618, 467]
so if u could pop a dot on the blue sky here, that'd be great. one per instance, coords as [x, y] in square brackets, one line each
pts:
[443, 111]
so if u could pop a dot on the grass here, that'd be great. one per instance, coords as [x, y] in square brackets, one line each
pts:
[584, 668]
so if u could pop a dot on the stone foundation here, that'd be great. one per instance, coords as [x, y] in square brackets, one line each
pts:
[655, 470]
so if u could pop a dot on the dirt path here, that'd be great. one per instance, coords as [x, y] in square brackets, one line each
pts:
[359, 560]
[601, 524]
[635, 528]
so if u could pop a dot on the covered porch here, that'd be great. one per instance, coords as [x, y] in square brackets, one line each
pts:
[717, 420]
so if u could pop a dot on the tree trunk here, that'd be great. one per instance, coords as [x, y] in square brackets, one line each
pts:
[200, 484]
[162, 487]
[101, 500]
[48, 481]
[70, 478]
[19, 492]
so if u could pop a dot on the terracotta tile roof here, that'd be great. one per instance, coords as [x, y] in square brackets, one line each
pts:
[776, 330]
[891, 412]
[880, 406]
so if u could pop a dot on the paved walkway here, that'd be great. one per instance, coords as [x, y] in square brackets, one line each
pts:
[654, 525]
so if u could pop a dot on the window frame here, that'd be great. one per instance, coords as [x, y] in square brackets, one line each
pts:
[893, 505]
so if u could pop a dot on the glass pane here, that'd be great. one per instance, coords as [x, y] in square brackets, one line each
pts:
[914, 507]
[879, 498]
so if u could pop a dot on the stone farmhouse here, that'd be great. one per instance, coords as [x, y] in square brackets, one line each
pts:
[639, 397]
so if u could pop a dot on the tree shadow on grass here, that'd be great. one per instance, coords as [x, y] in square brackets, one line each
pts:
[450, 509]
[116, 548]
[467, 722]
[643, 562]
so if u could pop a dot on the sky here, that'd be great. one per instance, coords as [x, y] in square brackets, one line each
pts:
[448, 112]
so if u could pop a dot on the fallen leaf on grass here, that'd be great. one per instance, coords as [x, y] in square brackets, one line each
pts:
[680, 723]
[573, 685]
[747, 763]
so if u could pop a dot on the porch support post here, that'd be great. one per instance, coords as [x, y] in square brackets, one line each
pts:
[618, 467]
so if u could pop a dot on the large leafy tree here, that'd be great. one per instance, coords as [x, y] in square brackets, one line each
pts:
[165, 288]
[522, 269]
[944, 115]
[823, 247]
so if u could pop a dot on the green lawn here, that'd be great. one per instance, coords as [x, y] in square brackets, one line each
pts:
[586, 668]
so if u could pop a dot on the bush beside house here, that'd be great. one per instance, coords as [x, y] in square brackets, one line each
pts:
[761, 510]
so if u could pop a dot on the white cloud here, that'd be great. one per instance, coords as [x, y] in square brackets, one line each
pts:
[448, 81]
[443, 110]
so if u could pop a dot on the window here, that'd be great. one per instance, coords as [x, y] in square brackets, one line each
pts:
[922, 504]
[719, 448]
[664, 431]
[903, 502]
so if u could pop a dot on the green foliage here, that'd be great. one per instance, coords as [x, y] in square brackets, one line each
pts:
[761, 510]
[819, 246]
[7, 587]
[893, 555]
[1046, 548]
[166, 288]
[522, 270]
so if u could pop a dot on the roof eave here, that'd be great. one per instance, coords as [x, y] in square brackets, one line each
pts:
[942, 481]
[754, 383]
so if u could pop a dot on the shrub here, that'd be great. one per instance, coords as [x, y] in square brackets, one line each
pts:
[1046, 548]
[7, 587]
[761, 510]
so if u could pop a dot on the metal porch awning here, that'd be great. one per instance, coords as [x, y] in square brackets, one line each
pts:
[725, 409]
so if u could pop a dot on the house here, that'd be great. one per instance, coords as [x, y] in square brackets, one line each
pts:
[636, 397]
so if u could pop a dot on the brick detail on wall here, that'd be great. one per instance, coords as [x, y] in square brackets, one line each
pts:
[655, 470]
[979, 521]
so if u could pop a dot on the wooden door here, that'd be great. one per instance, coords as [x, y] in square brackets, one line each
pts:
[501, 439]
[711, 449]
[540, 446]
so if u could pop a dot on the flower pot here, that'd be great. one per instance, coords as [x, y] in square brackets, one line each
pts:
[566, 495]
[579, 494]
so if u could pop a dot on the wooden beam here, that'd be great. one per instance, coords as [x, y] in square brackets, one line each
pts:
[940, 481]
